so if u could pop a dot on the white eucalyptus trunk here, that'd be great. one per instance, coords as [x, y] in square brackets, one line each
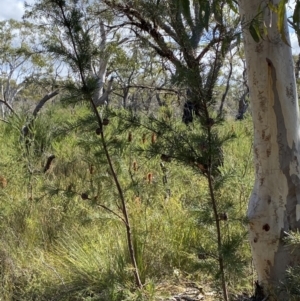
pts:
[274, 206]
[100, 73]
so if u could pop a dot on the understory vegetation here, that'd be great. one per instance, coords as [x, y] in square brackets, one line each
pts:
[62, 230]
[126, 160]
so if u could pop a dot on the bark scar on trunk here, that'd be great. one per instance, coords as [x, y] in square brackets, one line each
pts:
[284, 150]
[286, 156]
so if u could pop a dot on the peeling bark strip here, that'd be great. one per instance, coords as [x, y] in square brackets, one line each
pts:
[281, 128]
[286, 155]
[274, 206]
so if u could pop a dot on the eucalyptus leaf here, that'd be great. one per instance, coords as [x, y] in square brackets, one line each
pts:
[254, 31]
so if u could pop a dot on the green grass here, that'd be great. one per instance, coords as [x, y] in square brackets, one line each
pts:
[57, 246]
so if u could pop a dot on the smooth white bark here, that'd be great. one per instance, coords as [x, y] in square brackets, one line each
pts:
[274, 206]
[99, 72]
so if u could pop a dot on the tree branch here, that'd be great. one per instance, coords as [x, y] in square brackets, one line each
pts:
[114, 213]
[226, 89]
[3, 120]
[133, 15]
[43, 101]
[8, 105]
[25, 128]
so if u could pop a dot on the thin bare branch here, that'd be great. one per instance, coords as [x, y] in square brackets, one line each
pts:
[114, 213]
[8, 106]
[5, 121]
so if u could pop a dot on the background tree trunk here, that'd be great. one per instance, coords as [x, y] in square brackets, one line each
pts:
[274, 206]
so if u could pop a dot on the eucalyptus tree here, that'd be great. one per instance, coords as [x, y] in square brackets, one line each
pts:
[95, 25]
[23, 67]
[273, 213]
[192, 36]
[237, 85]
